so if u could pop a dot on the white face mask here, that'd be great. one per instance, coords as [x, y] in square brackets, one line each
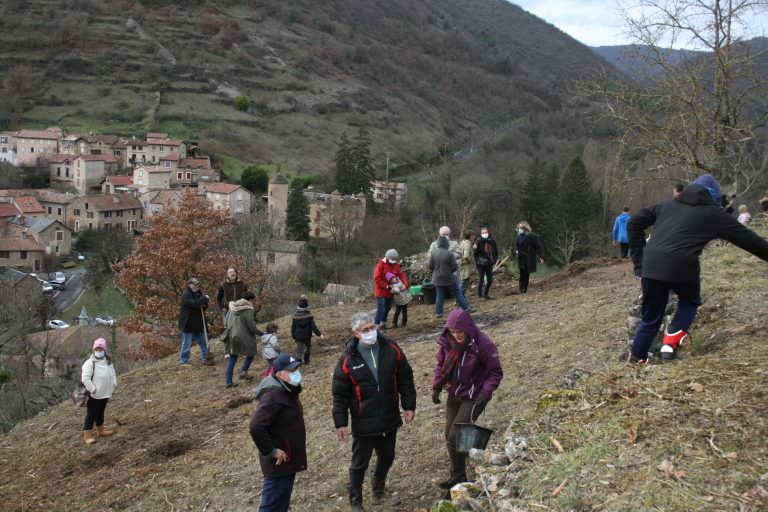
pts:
[392, 262]
[98, 354]
[295, 378]
[521, 231]
[484, 235]
[369, 338]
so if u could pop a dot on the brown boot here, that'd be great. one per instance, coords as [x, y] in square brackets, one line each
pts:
[88, 437]
[103, 433]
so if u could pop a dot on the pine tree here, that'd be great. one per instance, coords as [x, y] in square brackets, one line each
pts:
[354, 165]
[577, 201]
[297, 214]
[552, 214]
[534, 196]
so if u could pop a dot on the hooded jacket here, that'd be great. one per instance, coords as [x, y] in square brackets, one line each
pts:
[278, 422]
[303, 325]
[681, 229]
[374, 405]
[241, 330]
[479, 370]
[190, 312]
[380, 283]
[270, 346]
[619, 234]
[466, 259]
[443, 264]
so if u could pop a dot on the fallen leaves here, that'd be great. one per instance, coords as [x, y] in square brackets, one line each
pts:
[669, 470]
[556, 444]
[696, 387]
[632, 435]
[557, 490]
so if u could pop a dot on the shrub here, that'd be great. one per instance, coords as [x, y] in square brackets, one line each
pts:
[242, 103]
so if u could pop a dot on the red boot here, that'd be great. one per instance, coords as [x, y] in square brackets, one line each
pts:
[671, 343]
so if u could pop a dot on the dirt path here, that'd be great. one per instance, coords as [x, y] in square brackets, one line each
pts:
[184, 442]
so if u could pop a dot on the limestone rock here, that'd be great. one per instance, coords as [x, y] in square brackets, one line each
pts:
[516, 447]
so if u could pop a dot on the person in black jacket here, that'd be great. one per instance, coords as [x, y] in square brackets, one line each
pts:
[486, 255]
[670, 261]
[302, 327]
[371, 381]
[529, 250]
[277, 429]
[192, 322]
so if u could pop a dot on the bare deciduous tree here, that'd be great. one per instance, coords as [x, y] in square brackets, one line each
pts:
[705, 114]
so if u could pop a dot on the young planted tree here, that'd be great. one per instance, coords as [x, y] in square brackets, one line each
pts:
[181, 243]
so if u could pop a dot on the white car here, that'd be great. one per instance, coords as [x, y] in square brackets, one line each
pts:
[104, 320]
[60, 278]
[80, 257]
[57, 324]
[47, 287]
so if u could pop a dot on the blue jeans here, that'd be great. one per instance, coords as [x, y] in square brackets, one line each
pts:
[231, 365]
[655, 297]
[276, 493]
[186, 345]
[460, 289]
[382, 309]
[440, 298]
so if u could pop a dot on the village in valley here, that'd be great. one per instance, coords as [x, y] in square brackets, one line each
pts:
[105, 182]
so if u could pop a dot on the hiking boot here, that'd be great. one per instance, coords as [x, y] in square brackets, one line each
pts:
[185, 365]
[208, 361]
[231, 385]
[671, 343]
[487, 297]
[448, 484]
[88, 437]
[306, 358]
[356, 499]
[244, 375]
[102, 432]
[382, 497]
[636, 360]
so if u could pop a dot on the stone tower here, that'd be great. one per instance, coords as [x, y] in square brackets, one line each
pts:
[277, 202]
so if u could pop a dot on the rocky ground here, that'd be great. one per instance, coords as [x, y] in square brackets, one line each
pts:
[588, 431]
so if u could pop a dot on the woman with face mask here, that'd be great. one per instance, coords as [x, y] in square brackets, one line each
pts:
[486, 254]
[277, 429]
[529, 250]
[99, 378]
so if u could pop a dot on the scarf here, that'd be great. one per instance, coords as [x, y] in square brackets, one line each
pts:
[451, 361]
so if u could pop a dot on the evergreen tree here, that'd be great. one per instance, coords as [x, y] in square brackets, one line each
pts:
[297, 214]
[551, 208]
[534, 196]
[255, 179]
[578, 206]
[354, 165]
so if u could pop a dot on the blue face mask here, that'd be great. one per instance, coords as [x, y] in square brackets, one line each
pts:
[295, 378]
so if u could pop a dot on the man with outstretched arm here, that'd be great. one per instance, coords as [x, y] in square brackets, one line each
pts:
[371, 381]
[670, 260]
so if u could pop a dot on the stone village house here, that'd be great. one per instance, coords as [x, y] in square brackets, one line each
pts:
[120, 211]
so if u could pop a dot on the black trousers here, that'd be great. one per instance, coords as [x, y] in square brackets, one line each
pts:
[362, 449]
[94, 412]
[624, 248]
[525, 276]
[404, 311]
[484, 277]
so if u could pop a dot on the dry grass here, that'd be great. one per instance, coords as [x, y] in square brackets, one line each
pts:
[189, 448]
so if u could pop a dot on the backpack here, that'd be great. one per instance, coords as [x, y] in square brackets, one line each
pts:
[80, 394]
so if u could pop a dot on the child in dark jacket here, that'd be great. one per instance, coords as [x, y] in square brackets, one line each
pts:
[302, 327]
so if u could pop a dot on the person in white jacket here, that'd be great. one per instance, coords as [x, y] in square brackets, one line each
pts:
[99, 378]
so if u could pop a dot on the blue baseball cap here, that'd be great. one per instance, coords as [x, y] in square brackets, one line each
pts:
[285, 362]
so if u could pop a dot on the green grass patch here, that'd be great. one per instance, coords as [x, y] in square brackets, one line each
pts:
[109, 302]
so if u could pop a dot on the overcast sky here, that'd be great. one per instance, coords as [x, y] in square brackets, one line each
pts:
[594, 22]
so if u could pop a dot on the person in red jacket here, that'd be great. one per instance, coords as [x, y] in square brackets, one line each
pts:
[381, 288]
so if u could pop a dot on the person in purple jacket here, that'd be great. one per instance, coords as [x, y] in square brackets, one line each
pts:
[468, 367]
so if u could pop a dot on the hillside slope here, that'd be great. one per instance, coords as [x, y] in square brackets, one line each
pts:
[184, 441]
[416, 74]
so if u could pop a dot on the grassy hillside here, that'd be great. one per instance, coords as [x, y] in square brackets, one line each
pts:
[415, 74]
[184, 443]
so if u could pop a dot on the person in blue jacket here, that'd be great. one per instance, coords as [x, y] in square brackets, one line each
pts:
[620, 237]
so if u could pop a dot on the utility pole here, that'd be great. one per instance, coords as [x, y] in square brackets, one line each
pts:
[387, 175]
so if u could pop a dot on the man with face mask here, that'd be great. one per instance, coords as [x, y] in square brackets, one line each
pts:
[277, 429]
[371, 381]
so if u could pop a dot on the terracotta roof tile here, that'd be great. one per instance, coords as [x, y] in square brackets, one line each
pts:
[28, 204]
[222, 188]
[49, 133]
[108, 159]
[173, 157]
[58, 158]
[8, 210]
[194, 163]
[154, 168]
[120, 181]
[17, 244]
[105, 203]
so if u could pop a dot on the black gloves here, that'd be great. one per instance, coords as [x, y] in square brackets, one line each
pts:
[436, 396]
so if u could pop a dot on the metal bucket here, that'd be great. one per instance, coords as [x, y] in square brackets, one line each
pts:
[469, 435]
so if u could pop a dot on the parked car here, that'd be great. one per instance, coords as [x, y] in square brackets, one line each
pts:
[80, 257]
[57, 324]
[104, 320]
[47, 287]
[58, 286]
[60, 278]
